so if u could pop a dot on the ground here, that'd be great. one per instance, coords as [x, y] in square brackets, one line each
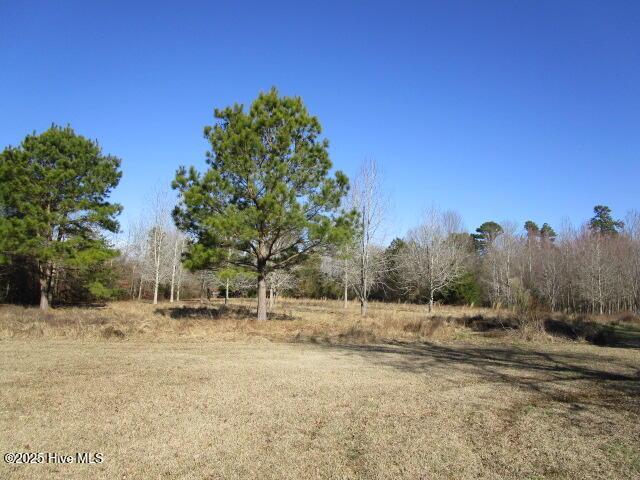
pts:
[209, 404]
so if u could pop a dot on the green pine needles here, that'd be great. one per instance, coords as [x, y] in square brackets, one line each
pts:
[53, 204]
[267, 196]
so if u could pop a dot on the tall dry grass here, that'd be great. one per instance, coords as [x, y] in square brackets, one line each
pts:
[291, 319]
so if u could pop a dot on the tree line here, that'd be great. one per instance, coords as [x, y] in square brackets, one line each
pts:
[268, 216]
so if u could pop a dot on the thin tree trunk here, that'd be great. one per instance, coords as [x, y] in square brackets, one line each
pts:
[364, 295]
[430, 301]
[155, 287]
[270, 298]
[133, 282]
[226, 292]
[178, 287]
[173, 269]
[346, 297]
[140, 289]
[173, 281]
[262, 297]
[346, 285]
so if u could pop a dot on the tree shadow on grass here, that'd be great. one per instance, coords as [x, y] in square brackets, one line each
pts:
[619, 335]
[222, 312]
[576, 379]
[604, 335]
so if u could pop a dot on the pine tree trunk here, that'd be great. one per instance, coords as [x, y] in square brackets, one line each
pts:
[262, 297]
[44, 294]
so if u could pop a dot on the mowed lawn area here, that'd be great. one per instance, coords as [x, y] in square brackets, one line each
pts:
[254, 407]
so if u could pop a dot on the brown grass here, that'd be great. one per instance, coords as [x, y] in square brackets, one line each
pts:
[201, 392]
[313, 320]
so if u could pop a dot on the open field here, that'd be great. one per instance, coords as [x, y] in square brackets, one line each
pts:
[195, 392]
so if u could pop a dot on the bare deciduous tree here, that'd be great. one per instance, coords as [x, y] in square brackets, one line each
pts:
[366, 198]
[158, 251]
[277, 282]
[177, 242]
[434, 256]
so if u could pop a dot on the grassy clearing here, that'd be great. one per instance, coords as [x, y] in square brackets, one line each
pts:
[199, 393]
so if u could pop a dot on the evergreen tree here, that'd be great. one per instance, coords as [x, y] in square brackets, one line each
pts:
[267, 194]
[53, 193]
[547, 232]
[532, 229]
[602, 221]
[393, 287]
[485, 235]
[466, 290]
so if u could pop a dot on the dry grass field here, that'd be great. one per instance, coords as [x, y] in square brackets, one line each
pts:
[201, 391]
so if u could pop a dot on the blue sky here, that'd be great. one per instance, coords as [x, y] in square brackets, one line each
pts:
[500, 110]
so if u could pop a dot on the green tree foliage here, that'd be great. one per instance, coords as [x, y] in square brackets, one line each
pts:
[466, 291]
[532, 229]
[312, 283]
[53, 192]
[485, 235]
[547, 232]
[393, 289]
[602, 221]
[267, 194]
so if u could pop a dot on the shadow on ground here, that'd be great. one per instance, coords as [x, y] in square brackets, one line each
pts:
[618, 334]
[226, 312]
[611, 335]
[576, 379]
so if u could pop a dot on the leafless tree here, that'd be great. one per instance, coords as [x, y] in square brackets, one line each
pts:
[132, 253]
[547, 275]
[177, 242]
[595, 270]
[279, 281]
[366, 198]
[158, 249]
[342, 266]
[434, 257]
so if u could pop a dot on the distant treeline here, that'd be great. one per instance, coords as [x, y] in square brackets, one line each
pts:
[268, 218]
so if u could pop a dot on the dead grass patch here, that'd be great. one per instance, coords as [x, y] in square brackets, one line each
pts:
[178, 408]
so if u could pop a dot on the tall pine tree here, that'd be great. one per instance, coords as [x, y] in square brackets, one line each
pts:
[267, 194]
[53, 196]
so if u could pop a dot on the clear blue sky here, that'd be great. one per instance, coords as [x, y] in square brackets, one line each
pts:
[500, 110]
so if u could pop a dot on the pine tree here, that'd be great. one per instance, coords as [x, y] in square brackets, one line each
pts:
[532, 229]
[547, 232]
[267, 194]
[485, 235]
[602, 221]
[53, 191]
